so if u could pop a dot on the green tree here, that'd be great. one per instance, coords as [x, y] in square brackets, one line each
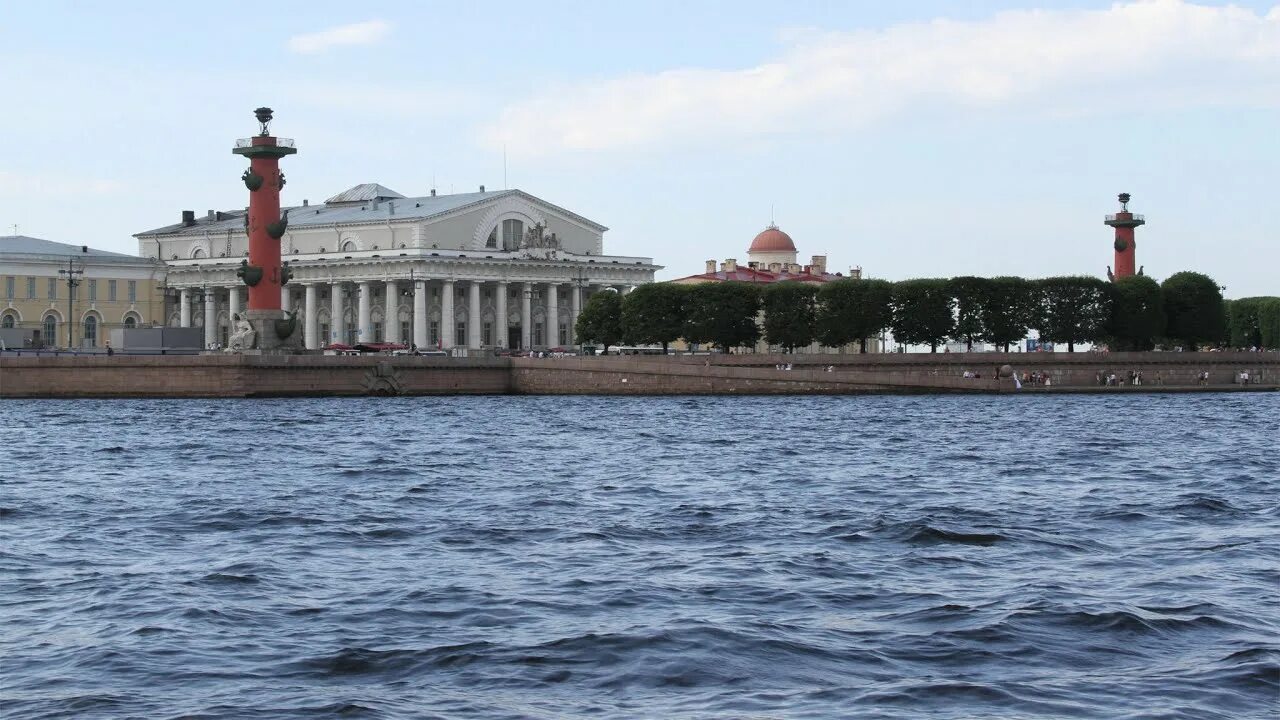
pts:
[654, 314]
[1194, 309]
[923, 312]
[1073, 309]
[723, 314]
[1007, 310]
[1137, 313]
[790, 314]
[601, 320]
[969, 294]
[1269, 323]
[851, 310]
[1244, 321]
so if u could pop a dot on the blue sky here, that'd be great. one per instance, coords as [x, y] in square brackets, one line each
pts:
[913, 139]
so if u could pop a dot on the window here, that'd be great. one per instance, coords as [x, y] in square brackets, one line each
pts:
[93, 291]
[130, 323]
[197, 254]
[486, 334]
[133, 291]
[377, 332]
[324, 332]
[7, 321]
[493, 239]
[91, 331]
[512, 230]
[53, 288]
[460, 334]
[537, 333]
[404, 331]
[50, 330]
[9, 284]
[111, 291]
[351, 333]
[564, 334]
[31, 288]
[433, 333]
[348, 246]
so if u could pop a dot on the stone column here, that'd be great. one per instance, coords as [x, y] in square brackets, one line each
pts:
[286, 298]
[500, 310]
[473, 316]
[210, 317]
[233, 301]
[553, 315]
[526, 316]
[447, 323]
[364, 320]
[391, 312]
[335, 314]
[311, 323]
[184, 308]
[420, 313]
[575, 309]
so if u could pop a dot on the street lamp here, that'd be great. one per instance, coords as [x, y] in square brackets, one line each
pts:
[580, 282]
[72, 272]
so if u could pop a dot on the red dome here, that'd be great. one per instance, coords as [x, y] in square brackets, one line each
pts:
[772, 240]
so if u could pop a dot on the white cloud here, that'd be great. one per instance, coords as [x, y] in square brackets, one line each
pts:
[1161, 52]
[363, 33]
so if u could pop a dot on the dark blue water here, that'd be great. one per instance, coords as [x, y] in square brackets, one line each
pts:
[879, 557]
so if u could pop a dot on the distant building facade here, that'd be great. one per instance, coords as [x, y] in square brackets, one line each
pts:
[483, 270]
[771, 258]
[111, 291]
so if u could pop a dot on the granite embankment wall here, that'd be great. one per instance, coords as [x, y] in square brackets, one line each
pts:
[312, 375]
[249, 376]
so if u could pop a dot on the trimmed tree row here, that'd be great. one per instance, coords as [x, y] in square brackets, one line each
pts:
[1133, 313]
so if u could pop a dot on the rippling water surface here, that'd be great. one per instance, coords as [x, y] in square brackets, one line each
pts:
[880, 557]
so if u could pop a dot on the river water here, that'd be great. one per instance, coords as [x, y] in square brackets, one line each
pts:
[551, 557]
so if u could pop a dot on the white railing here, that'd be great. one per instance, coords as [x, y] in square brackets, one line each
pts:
[249, 142]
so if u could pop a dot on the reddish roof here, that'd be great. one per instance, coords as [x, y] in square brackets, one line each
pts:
[772, 240]
[748, 274]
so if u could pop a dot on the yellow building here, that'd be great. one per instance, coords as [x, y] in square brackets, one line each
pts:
[110, 291]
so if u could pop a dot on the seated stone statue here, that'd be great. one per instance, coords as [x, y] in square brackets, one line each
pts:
[243, 337]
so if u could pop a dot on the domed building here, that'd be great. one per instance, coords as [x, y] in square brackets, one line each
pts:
[772, 246]
[772, 257]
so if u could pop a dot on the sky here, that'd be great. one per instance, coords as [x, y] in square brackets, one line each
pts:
[919, 139]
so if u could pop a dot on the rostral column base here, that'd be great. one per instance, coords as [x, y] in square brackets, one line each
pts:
[277, 332]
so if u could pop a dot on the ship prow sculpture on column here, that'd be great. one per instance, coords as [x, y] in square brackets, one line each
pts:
[264, 328]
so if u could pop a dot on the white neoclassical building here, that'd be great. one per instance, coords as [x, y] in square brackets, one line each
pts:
[498, 269]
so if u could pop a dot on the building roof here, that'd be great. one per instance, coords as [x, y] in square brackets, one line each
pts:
[37, 248]
[771, 239]
[364, 193]
[744, 273]
[353, 213]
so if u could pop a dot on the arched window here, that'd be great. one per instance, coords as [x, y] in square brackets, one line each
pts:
[91, 331]
[348, 246]
[8, 321]
[512, 232]
[197, 254]
[50, 330]
[130, 322]
[493, 239]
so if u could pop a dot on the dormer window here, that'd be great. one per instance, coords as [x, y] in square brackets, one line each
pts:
[493, 239]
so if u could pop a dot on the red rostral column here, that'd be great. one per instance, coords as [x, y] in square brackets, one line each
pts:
[1124, 222]
[263, 272]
